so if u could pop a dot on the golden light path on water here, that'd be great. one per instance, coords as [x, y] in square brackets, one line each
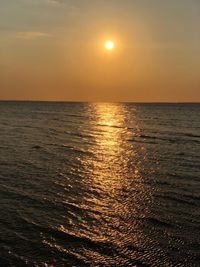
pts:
[114, 175]
[113, 191]
[110, 143]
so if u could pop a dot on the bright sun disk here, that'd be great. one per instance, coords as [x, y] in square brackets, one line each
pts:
[109, 45]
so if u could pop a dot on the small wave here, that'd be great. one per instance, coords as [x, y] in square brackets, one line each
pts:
[142, 141]
[157, 222]
[78, 151]
[179, 199]
[146, 139]
[111, 126]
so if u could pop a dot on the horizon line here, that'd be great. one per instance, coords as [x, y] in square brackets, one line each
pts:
[81, 101]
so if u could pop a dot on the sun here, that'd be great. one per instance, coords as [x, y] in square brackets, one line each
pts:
[109, 45]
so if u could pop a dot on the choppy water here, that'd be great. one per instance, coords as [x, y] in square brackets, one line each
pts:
[99, 184]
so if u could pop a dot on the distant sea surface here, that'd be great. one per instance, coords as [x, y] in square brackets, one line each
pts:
[85, 184]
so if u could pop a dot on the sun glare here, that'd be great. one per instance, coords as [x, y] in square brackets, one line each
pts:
[109, 45]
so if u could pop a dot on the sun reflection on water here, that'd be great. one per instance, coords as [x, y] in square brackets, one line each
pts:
[114, 171]
[114, 174]
[113, 192]
[110, 122]
[110, 137]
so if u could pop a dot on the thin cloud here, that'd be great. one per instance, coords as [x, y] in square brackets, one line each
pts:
[32, 35]
[44, 1]
[53, 2]
[59, 2]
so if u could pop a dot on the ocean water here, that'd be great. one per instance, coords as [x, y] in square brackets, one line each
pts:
[85, 184]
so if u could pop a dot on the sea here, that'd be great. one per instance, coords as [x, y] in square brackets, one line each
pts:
[99, 184]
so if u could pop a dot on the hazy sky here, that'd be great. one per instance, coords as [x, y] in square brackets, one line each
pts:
[54, 50]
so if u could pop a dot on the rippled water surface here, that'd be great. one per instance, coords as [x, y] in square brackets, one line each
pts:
[99, 184]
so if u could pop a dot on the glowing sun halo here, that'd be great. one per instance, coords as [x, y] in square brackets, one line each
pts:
[109, 45]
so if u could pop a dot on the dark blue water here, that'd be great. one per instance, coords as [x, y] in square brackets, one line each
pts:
[99, 184]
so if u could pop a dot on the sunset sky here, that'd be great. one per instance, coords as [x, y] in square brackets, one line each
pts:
[55, 50]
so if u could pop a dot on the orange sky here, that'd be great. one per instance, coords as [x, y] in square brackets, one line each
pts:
[54, 50]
